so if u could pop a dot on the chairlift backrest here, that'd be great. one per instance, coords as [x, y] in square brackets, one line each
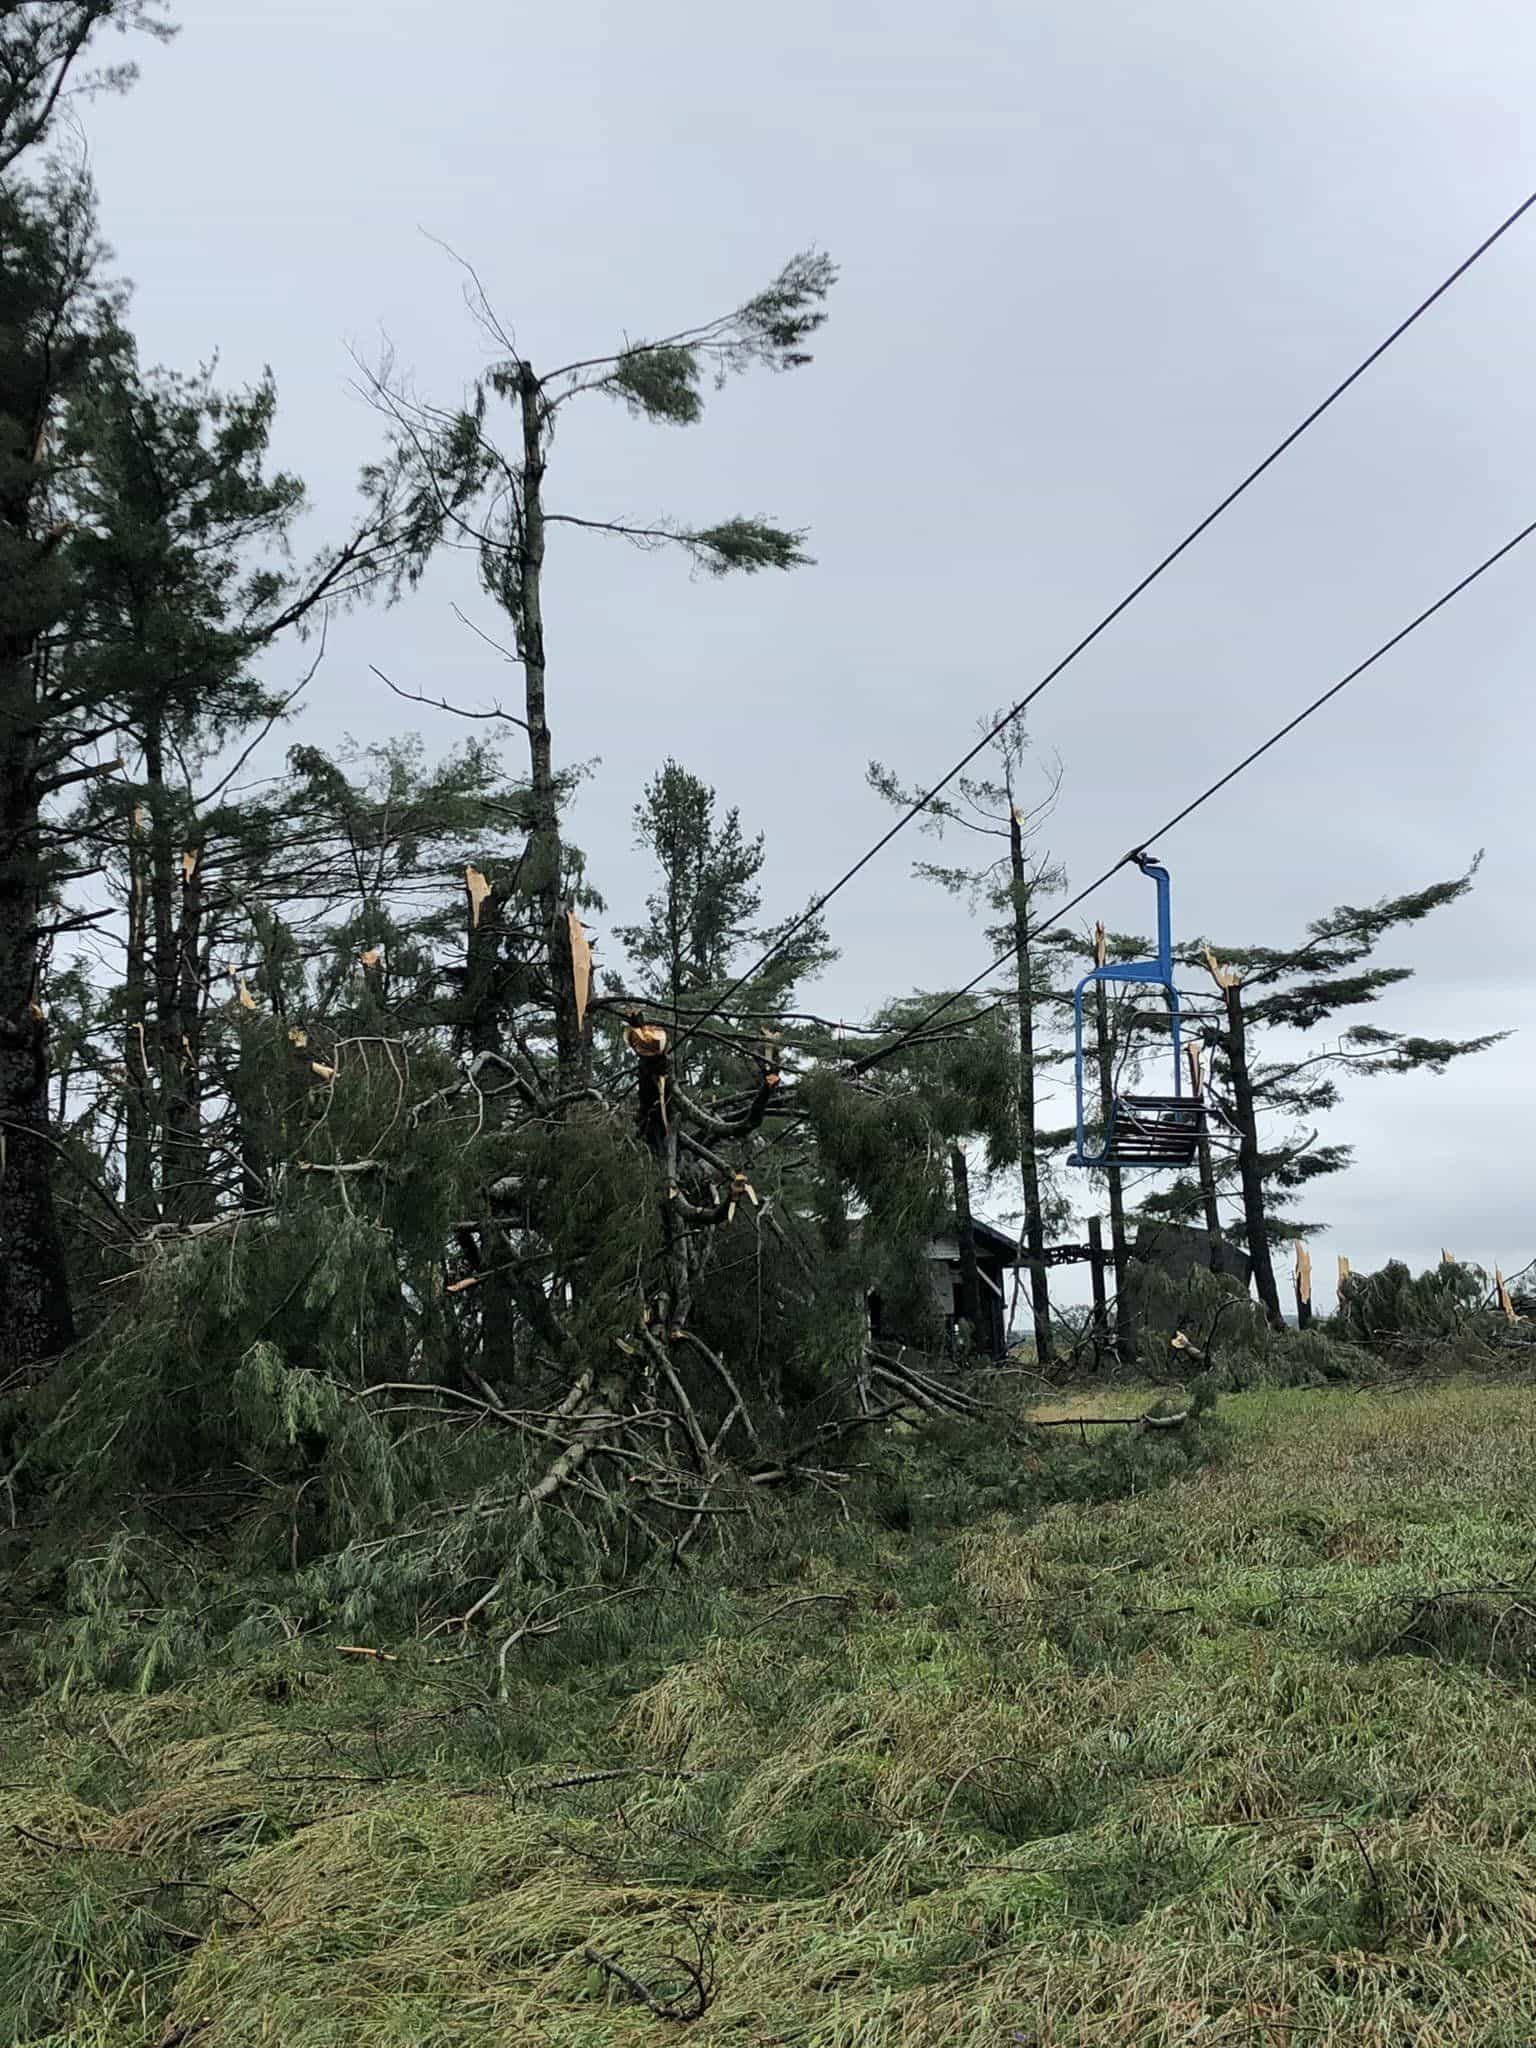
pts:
[1143, 1130]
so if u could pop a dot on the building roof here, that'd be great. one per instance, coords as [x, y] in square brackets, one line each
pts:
[1002, 1245]
[992, 1243]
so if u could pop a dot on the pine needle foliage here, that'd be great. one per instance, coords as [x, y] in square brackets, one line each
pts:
[1444, 1302]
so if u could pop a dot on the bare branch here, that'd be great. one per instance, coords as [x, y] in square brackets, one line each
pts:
[442, 704]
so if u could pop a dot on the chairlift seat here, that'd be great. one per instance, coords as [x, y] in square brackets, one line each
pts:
[1144, 1130]
[1154, 1130]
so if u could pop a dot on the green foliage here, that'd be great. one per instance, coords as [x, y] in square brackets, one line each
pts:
[747, 545]
[658, 382]
[702, 914]
[1295, 989]
[956, 1766]
[1440, 1303]
[41, 44]
[884, 1153]
[773, 326]
[1206, 1322]
[171, 509]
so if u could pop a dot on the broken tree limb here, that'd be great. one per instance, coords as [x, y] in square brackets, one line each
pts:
[691, 1424]
[1111, 1421]
[724, 1127]
[718, 1366]
[700, 1977]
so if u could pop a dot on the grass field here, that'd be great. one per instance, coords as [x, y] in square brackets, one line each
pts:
[1244, 1756]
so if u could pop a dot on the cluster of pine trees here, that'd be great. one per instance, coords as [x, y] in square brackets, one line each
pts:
[328, 1154]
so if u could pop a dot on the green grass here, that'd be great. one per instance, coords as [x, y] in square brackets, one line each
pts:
[1241, 1756]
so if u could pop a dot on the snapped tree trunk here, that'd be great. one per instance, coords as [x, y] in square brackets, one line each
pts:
[1303, 1307]
[970, 1272]
[1248, 1158]
[483, 1001]
[1205, 1167]
[1029, 1164]
[1125, 1311]
[547, 862]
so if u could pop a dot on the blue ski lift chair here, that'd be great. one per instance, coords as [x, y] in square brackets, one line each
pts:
[1143, 1130]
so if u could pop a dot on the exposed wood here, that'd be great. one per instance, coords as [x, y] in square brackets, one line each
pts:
[581, 967]
[478, 889]
[1224, 977]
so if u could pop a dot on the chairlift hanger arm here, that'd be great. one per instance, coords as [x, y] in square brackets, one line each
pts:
[1158, 1131]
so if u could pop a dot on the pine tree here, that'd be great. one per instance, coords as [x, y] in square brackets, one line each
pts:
[1010, 883]
[1294, 989]
[702, 914]
[43, 45]
[172, 514]
[887, 1134]
[467, 489]
[129, 620]
[56, 318]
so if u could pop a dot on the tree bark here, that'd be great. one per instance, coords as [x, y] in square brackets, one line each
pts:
[1100, 1308]
[169, 1109]
[1029, 1164]
[1248, 1159]
[1303, 1308]
[970, 1272]
[1208, 1202]
[1205, 1167]
[1125, 1312]
[36, 1321]
[483, 967]
[185, 1182]
[547, 878]
[138, 1122]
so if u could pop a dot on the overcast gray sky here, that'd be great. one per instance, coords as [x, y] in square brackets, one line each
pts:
[1095, 260]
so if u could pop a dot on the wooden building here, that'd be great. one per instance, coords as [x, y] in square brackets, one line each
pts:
[996, 1255]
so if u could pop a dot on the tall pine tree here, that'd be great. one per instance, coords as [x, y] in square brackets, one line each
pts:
[1009, 877]
[466, 488]
[1270, 1098]
[703, 911]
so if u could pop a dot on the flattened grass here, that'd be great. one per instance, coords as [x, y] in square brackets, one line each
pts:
[1244, 1758]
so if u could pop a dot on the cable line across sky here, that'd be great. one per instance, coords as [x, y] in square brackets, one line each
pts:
[921, 803]
[883, 1053]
